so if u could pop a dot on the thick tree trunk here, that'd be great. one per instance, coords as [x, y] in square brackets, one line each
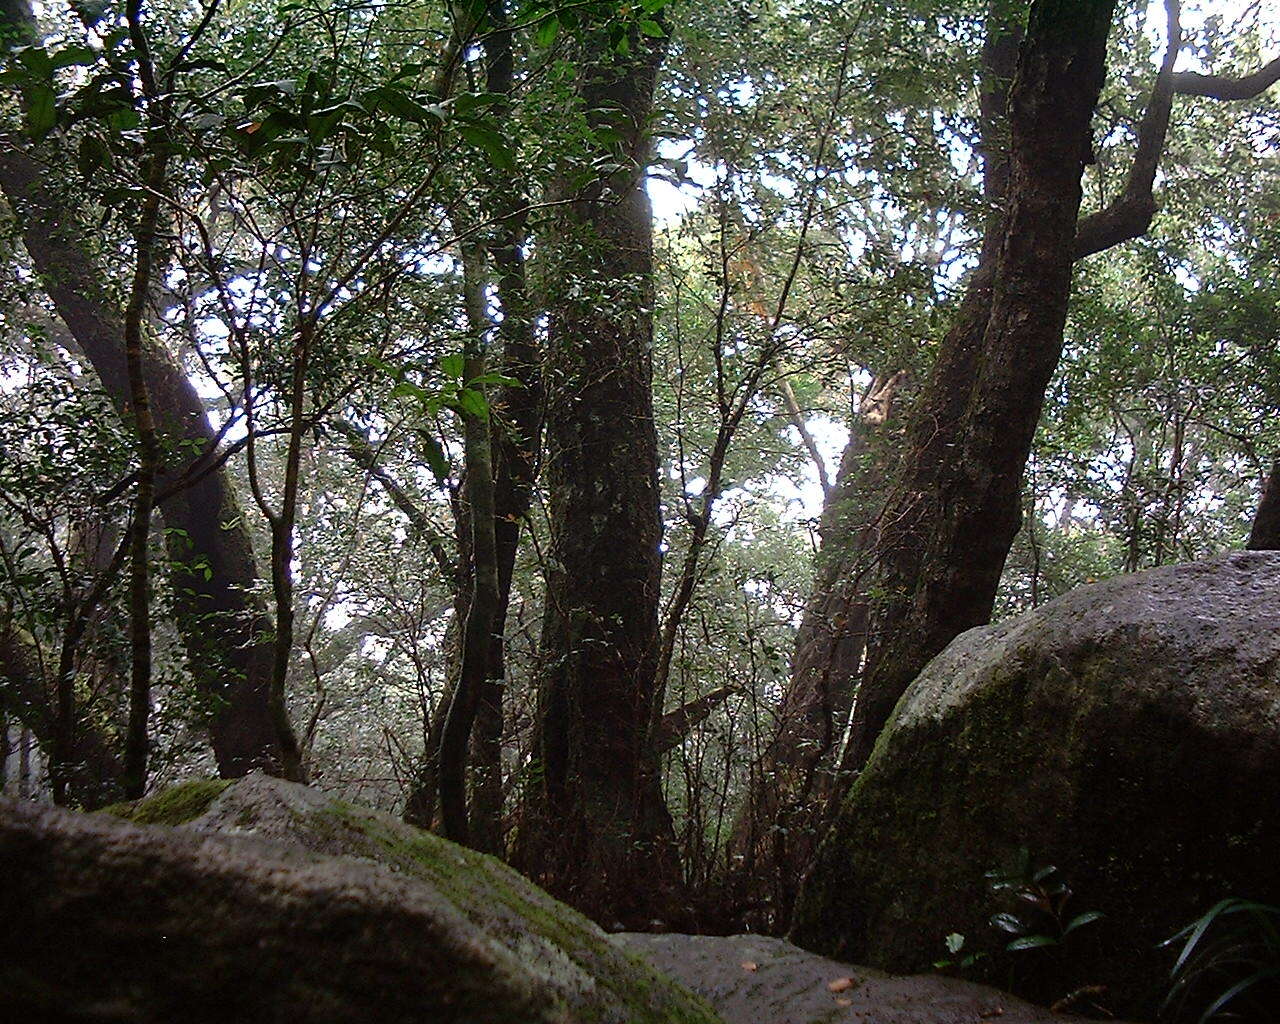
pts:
[943, 546]
[223, 627]
[777, 831]
[597, 831]
[1265, 534]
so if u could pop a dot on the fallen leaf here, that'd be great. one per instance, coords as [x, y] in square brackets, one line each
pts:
[840, 985]
[750, 966]
[843, 1002]
[995, 1011]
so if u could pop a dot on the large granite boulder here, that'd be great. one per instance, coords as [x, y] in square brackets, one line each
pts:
[1127, 733]
[274, 902]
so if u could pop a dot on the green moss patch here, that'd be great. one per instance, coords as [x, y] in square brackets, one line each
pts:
[173, 805]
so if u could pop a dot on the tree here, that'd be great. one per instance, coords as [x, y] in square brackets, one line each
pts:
[596, 820]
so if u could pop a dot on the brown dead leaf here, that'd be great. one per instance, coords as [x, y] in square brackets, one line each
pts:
[840, 985]
[749, 965]
[843, 1002]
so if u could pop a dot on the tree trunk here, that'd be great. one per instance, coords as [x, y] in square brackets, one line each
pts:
[478, 628]
[516, 435]
[776, 833]
[597, 832]
[944, 543]
[223, 627]
[93, 772]
[1265, 534]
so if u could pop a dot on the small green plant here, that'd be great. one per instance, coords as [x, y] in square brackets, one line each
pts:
[1040, 897]
[958, 958]
[1229, 965]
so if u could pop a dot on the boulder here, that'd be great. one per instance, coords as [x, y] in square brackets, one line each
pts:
[1127, 734]
[755, 979]
[272, 902]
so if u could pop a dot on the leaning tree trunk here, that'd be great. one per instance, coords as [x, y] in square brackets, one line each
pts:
[223, 627]
[944, 544]
[783, 818]
[777, 829]
[596, 830]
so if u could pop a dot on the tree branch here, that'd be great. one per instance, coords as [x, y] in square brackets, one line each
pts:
[1220, 87]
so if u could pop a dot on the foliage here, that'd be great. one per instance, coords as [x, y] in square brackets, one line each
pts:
[1228, 967]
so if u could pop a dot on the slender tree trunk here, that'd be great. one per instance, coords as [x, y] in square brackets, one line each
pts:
[154, 162]
[944, 544]
[597, 831]
[283, 525]
[478, 628]
[94, 775]
[516, 428]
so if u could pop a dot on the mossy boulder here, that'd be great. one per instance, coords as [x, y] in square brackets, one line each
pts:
[275, 902]
[1127, 733]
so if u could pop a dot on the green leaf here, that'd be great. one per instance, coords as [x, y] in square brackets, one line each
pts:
[1008, 923]
[437, 461]
[1080, 920]
[546, 32]
[452, 365]
[42, 111]
[70, 56]
[653, 29]
[955, 942]
[1031, 942]
[472, 403]
[468, 103]
[92, 155]
[491, 141]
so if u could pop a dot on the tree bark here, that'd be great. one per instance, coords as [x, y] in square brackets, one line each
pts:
[478, 628]
[154, 162]
[1265, 534]
[223, 627]
[597, 832]
[777, 830]
[944, 542]
[516, 435]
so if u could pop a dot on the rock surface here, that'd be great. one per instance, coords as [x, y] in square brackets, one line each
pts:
[277, 903]
[754, 979]
[1128, 733]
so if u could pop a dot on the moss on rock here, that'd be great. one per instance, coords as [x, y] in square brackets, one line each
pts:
[1128, 734]
[173, 805]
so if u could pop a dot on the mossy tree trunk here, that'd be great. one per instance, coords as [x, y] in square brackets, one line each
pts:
[596, 830]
